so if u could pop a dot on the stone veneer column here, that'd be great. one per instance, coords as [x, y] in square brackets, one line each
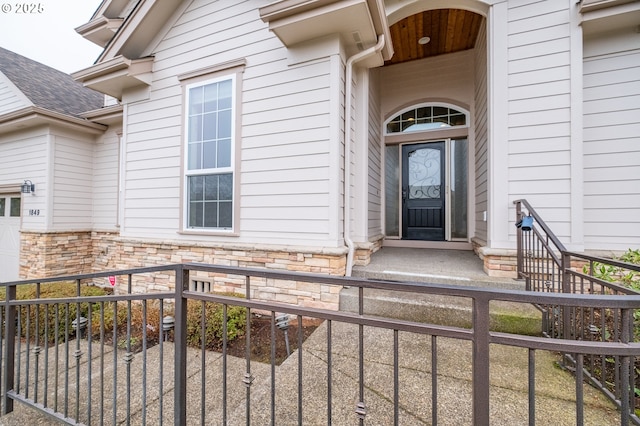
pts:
[46, 254]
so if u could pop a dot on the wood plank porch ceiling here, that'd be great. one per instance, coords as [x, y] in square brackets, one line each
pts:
[450, 30]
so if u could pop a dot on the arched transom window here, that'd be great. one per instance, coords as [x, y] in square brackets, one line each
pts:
[426, 117]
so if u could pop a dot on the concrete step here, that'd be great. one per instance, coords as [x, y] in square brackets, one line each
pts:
[507, 317]
[452, 267]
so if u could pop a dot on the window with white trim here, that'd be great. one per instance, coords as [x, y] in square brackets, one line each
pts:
[426, 117]
[209, 156]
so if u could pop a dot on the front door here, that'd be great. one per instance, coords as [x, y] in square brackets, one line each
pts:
[9, 237]
[423, 191]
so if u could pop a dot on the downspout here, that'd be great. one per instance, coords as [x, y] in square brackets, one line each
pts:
[347, 145]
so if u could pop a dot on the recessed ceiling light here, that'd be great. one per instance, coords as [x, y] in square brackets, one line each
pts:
[424, 40]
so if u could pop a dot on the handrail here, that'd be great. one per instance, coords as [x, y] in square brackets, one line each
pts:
[542, 224]
[548, 267]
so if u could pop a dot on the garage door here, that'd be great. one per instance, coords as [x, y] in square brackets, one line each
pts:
[9, 237]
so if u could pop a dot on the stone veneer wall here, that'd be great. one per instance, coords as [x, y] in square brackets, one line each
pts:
[47, 254]
[51, 254]
[498, 262]
[363, 252]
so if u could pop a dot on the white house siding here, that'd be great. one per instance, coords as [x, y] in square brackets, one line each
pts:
[450, 79]
[480, 125]
[612, 140]
[11, 99]
[375, 159]
[24, 156]
[285, 139]
[105, 181]
[72, 181]
[539, 111]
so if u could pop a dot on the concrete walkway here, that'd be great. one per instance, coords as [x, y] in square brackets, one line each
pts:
[555, 389]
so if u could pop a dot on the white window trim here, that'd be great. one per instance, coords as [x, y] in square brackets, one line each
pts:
[222, 170]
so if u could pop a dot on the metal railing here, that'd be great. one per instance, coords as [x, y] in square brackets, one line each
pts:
[129, 366]
[548, 267]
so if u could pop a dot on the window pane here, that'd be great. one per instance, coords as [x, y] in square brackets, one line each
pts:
[226, 214]
[409, 115]
[209, 125]
[458, 120]
[211, 187]
[224, 124]
[15, 207]
[459, 176]
[206, 210]
[224, 153]
[224, 94]
[393, 127]
[392, 191]
[211, 215]
[424, 112]
[438, 111]
[195, 128]
[226, 187]
[195, 215]
[3, 203]
[195, 100]
[196, 188]
[209, 155]
[444, 120]
[195, 156]
[210, 97]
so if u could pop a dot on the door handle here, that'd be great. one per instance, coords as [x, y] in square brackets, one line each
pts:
[404, 194]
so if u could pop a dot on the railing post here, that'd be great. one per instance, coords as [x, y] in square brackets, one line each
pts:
[9, 349]
[519, 254]
[566, 288]
[180, 347]
[480, 361]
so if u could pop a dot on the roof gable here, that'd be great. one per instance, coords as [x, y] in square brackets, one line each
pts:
[140, 27]
[47, 87]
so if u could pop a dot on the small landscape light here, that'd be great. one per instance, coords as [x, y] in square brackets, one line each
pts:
[79, 324]
[168, 323]
[282, 322]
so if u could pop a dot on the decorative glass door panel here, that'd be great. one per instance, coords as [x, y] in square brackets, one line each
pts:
[423, 192]
[425, 173]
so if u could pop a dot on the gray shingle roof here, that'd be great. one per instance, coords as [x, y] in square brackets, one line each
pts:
[47, 87]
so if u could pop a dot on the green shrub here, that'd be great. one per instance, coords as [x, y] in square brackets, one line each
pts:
[151, 325]
[616, 274]
[213, 331]
[31, 316]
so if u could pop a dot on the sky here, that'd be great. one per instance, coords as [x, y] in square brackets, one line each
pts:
[45, 32]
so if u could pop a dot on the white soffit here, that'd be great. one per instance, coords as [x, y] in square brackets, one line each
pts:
[344, 17]
[618, 15]
[113, 77]
[100, 30]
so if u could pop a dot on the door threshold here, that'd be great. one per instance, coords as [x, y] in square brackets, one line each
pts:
[447, 245]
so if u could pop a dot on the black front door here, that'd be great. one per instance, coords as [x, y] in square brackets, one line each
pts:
[423, 191]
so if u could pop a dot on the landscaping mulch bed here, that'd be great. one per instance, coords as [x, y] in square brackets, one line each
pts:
[261, 340]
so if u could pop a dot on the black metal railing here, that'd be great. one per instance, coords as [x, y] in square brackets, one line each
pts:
[142, 358]
[548, 267]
